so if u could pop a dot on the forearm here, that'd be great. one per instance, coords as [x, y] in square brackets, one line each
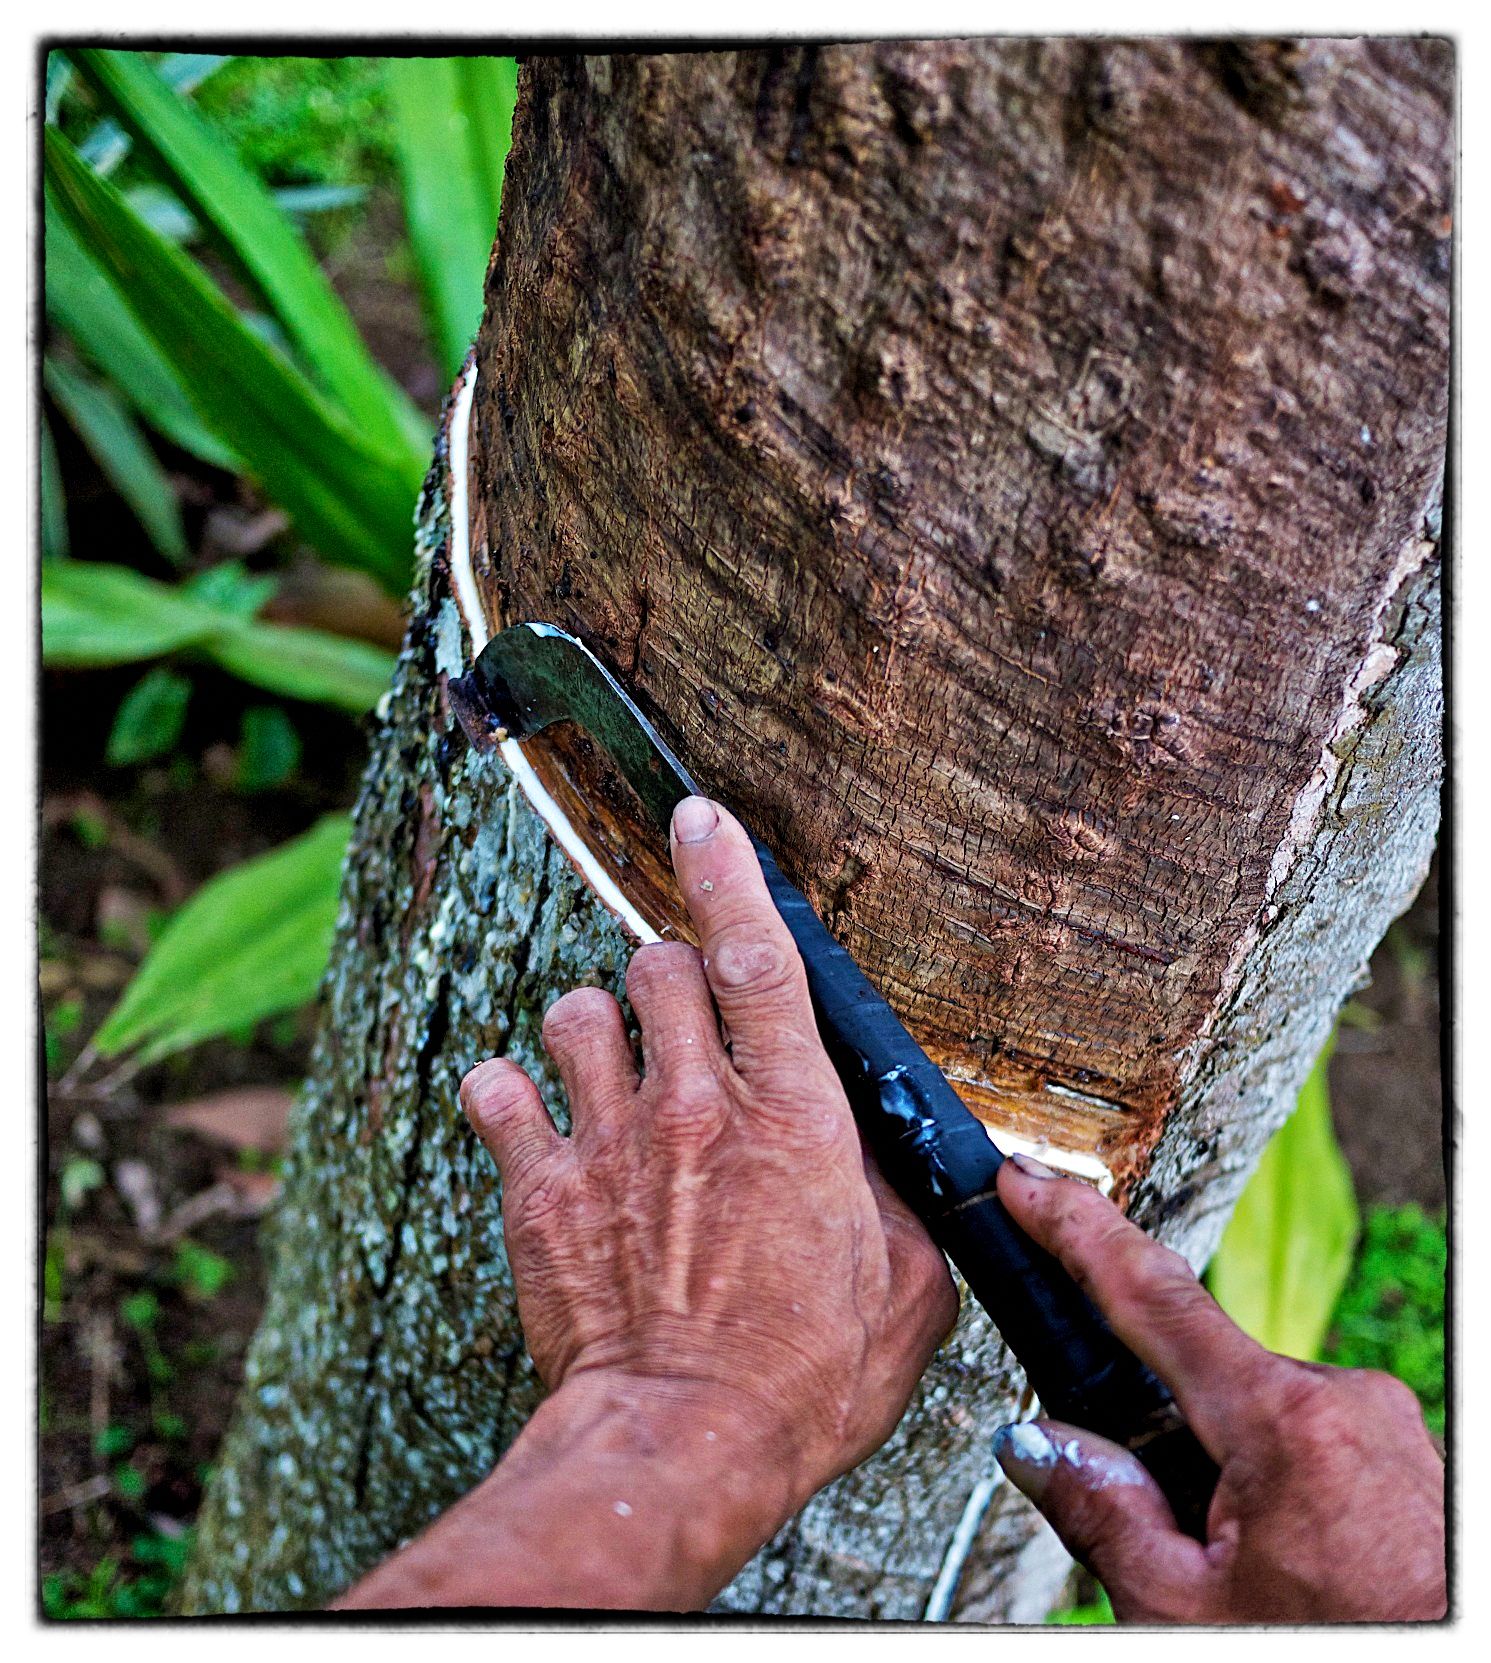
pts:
[601, 1503]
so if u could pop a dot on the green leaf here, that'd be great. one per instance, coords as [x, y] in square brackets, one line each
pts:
[223, 194]
[108, 144]
[229, 588]
[1287, 1249]
[53, 501]
[452, 129]
[150, 718]
[100, 420]
[307, 664]
[268, 748]
[203, 1272]
[354, 500]
[93, 614]
[83, 299]
[249, 944]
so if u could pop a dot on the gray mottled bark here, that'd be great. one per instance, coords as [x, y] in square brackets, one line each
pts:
[1202, 599]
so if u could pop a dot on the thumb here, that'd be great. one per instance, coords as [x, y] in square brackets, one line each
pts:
[1109, 1514]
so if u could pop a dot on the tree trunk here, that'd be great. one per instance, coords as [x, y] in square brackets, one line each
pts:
[1012, 471]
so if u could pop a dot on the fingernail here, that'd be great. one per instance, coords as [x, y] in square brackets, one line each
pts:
[1031, 1167]
[694, 819]
[1027, 1455]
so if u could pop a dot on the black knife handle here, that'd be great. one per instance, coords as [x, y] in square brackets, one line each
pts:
[937, 1156]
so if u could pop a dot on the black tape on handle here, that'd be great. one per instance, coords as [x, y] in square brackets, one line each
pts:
[939, 1159]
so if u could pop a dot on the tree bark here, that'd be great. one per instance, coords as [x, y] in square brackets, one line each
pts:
[1013, 472]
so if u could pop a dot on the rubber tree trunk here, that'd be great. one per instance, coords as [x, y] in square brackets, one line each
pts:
[1013, 470]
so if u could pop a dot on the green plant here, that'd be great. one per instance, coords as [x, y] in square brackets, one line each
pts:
[452, 126]
[1391, 1313]
[252, 942]
[140, 1587]
[203, 1273]
[1091, 1613]
[1287, 1249]
[93, 614]
[142, 335]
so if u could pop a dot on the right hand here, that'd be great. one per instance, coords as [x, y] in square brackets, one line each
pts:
[712, 1236]
[1330, 1506]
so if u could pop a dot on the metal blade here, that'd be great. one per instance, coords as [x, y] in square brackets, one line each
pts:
[533, 675]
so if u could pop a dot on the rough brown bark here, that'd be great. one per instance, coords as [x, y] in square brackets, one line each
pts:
[1013, 471]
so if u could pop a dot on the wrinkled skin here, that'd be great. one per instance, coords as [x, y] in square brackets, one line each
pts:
[731, 1308]
[1330, 1506]
[715, 1225]
[727, 1302]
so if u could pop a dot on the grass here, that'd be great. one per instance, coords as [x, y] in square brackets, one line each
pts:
[1391, 1313]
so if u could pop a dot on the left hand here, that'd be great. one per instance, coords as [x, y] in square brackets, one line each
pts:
[1330, 1505]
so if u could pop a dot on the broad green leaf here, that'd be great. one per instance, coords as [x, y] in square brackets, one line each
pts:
[249, 944]
[306, 664]
[99, 418]
[225, 195]
[95, 614]
[268, 748]
[149, 719]
[82, 299]
[353, 500]
[1286, 1252]
[53, 501]
[452, 128]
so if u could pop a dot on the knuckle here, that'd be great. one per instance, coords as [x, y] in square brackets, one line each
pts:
[659, 963]
[745, 959]
[690, 1106]
[1311, 1407]
[540, 1198]
[1390, 1397]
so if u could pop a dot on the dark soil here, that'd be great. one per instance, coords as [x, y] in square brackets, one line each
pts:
[1385, 1075]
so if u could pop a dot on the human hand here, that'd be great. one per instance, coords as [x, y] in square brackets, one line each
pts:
[712, 1237]
[1330, 1506]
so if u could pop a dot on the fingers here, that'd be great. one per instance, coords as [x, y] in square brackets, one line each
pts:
[680, 1031]
[1109, 1514]
[585, 1034]
[508, 1115]
[1220, 1377]
[752, 964]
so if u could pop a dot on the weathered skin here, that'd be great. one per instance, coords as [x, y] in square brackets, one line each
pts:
[984, 425]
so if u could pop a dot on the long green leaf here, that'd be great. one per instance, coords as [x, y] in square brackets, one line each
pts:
[249, 944]
[82, 299]
[53, 500]
[1286, 1252]
[93, 614]
[306, 664]
[241, 210]
[452, 129]
[99, 418]
[183, 72]
[353, 500]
